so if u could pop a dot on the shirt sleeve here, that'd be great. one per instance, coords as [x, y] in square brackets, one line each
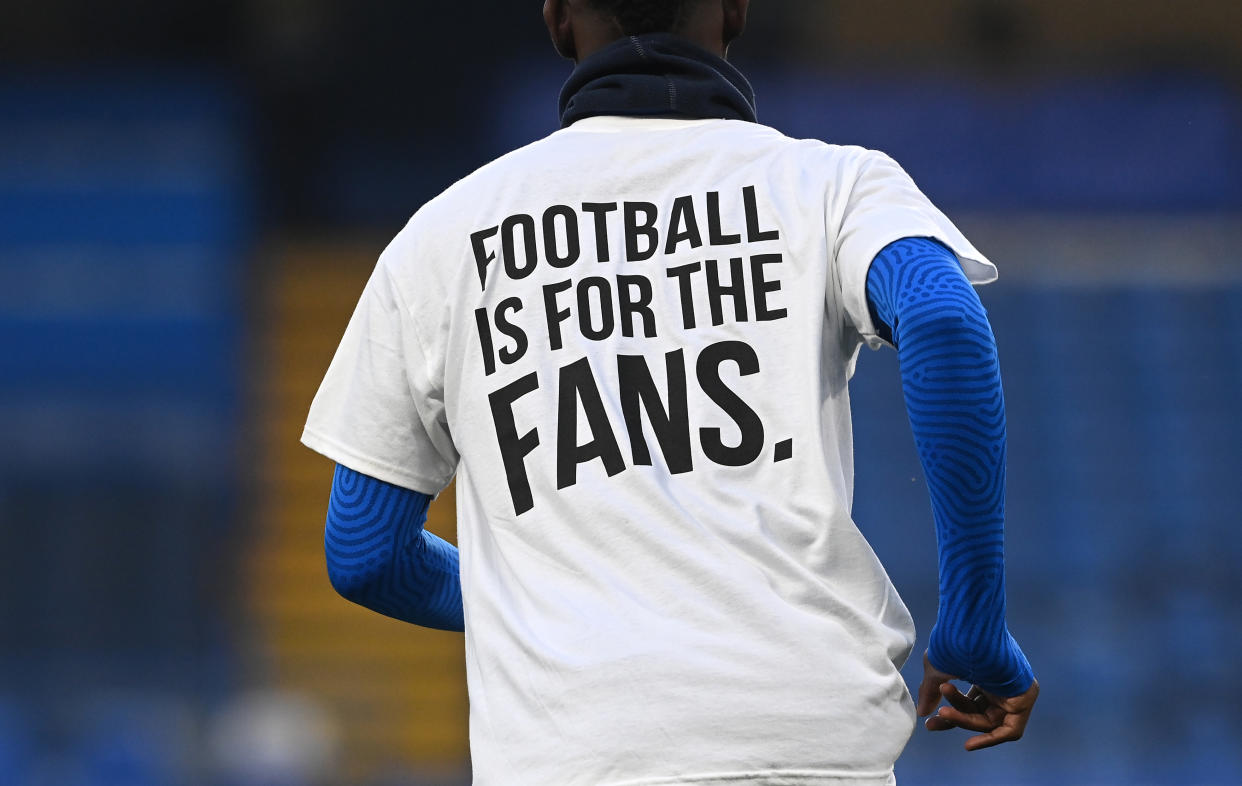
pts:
[884, 206]
[379, 410]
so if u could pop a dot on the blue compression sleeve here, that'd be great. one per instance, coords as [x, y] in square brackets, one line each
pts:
[951, 378]
[379, 555]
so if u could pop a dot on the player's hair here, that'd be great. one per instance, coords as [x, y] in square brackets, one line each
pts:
[637, 17]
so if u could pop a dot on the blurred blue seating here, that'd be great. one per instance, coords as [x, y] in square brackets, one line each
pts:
[135, 740]
[124, 218]
[125, 224]
[1142, 142]
[17, 743]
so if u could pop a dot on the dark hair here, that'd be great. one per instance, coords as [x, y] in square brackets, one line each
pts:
[637, 17]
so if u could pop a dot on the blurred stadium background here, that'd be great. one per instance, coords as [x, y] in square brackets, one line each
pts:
[193, 193]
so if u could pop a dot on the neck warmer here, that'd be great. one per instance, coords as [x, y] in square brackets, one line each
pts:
[656, 75]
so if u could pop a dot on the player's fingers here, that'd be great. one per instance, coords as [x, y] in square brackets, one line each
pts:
[937, 723]
[959, 701]
[929, 696]
[929, 688]
[1002, 734]
[974, 721]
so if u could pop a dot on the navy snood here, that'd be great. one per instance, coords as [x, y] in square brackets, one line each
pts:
[656, 75]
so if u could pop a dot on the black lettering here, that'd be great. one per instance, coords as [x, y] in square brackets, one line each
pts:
[483, 257]
[515, 449]
[520, 342]
[714, 233]
[683, 226]
[485, 341]
[600, 210]
[682, 273]
[750, 446]
[607, 322]
[753, 233]
[509, 241]
[573, 246]
[717, 292]
[577, 384]
[629, 306]
[670, 425]
[762, 287]
[636, 229]
[555, 314]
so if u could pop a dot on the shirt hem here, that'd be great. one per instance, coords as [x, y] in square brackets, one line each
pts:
[772, 778]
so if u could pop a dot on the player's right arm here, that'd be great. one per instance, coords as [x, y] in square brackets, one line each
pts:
[926, 307]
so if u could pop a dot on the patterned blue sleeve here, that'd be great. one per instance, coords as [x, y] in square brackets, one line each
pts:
[951, 378]
[379, 556]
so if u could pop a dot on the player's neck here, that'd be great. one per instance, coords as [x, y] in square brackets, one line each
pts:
[594, 44]
[705, 26]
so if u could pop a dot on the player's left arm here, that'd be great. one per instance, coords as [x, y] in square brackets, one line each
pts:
[380, 556]
[922, 302]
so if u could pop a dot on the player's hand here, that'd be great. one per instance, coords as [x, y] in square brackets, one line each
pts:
[999, 719]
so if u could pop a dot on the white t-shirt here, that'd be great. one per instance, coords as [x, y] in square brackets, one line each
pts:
[631, 343]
